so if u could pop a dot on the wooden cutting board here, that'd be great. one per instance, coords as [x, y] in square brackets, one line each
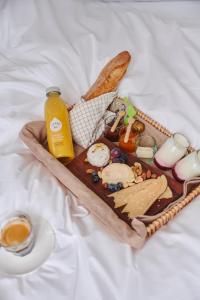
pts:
[78, 167]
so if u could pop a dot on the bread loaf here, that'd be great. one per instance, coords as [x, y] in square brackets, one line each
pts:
[109, 78]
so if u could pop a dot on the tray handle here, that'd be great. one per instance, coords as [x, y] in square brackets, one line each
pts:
[172, 212]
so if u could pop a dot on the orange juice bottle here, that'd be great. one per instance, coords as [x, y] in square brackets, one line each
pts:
[58, 126]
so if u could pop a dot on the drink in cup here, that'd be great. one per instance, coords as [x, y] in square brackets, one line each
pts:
[16, 234]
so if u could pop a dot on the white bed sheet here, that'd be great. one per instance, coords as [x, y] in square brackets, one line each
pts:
[66, 43]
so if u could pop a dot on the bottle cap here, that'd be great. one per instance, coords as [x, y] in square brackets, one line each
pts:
[53, 89]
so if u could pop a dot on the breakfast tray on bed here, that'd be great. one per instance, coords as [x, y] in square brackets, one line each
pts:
[34, 136]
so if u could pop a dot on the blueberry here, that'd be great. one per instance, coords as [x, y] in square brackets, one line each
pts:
[112, 187]
[124, 157]
[120, 185]
[94, 173]
[116, 188]
[116, 160]
[95, 177]
[122, 160]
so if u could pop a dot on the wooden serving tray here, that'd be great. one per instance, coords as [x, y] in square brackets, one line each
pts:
[33, 135]
[78, 167]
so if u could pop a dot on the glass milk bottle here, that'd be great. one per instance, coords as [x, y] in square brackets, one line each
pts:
[58, 126]
[171, 151]
[188, 167]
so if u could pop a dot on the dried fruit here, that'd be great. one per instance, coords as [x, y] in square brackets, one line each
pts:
[139, 179]
[105, 185]
[89, 171]
[131, 184]
[144, 176]
[148, 174]
[153, 176]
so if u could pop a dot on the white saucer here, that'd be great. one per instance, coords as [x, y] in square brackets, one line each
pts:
[44, 244]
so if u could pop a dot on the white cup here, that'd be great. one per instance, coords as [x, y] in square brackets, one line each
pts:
[171, 151]
[188, 167]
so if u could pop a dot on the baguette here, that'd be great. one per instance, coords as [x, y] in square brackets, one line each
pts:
[109, 78]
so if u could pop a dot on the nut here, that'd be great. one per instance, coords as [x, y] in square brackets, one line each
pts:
[105, 185]
[85, 160]
[89, 171]
[110, 162]
[148, 174]
[137, 168]
[153, 176]
[131, 183]
[135, 174]
[125, 185]
[139, 179]
[99, 174]
[144, 176]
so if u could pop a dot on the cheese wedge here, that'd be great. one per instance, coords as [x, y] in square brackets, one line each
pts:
[117, 172]
[141, 201]
[167, 194]
[121, 197]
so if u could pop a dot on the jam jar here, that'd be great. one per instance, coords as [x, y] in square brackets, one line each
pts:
[132, 143]
[113, 136]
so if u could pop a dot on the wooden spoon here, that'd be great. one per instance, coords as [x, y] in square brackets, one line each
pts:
[120, 115]
[128, 130]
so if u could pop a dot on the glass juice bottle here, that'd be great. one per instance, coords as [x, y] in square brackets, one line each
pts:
[59, 135]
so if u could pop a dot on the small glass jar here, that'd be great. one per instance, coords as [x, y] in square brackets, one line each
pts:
[147, 147]
[132, 143]
[113, 136]
[147, 141]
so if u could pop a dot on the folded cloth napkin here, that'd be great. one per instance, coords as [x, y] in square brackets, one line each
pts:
[89, 118]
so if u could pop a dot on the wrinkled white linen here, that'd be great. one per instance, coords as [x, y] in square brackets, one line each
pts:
[66, 43]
